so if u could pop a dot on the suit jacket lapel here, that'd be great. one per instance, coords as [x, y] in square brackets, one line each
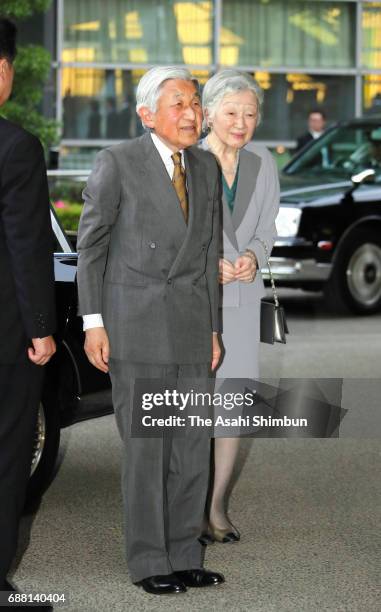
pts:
[165, 199]
[195, 181]
[192, 168]
[227, 222]
[249, 166]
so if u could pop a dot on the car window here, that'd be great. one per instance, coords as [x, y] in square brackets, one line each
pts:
[62, 243]
[65, 188]
[340, 153]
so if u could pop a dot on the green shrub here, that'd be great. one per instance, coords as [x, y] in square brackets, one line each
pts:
[66, 189]
[69, 214]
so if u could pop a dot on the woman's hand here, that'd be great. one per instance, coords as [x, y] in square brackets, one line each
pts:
[226, 272]
[246, 267]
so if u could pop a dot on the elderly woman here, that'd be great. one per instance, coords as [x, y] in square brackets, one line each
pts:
[232, 103]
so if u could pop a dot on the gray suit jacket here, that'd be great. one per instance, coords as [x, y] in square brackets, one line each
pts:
[253, 220]
[153, 278]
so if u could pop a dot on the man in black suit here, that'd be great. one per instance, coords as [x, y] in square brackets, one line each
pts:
[316, 126]
[27, 310]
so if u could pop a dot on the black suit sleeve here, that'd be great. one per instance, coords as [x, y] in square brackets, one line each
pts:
[302, 141]
[28, 233]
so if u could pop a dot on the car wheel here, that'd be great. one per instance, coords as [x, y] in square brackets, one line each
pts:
[45, 450]
[355, 282]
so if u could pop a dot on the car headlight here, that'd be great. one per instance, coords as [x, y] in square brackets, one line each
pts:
[287, 221]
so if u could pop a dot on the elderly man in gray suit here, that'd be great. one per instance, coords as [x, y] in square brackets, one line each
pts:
[148, 292]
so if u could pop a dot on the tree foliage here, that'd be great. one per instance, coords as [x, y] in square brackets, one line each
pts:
[32, 67]
[20, 9]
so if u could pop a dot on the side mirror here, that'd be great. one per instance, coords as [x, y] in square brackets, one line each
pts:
[366, 176]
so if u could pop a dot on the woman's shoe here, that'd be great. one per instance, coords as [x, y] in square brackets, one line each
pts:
[205, 538]
[224, 536]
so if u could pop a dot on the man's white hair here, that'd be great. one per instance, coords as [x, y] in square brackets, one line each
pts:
[149, 87]
[226, 82]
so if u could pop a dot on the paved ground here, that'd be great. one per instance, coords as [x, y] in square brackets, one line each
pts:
[308, 510]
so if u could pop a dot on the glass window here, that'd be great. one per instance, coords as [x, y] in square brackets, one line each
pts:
[371, 35]
[288, 33]
[78, 158]
[372, 94]
[342, 152]
[138, 31]
[99, 104]
[289, 98]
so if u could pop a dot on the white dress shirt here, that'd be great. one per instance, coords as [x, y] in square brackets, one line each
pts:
[96, 320]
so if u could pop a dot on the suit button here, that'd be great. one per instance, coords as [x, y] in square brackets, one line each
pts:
[169, 281]
[153, 245]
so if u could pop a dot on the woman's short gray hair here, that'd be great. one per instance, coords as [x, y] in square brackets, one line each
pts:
[225, 82]
[148, 90]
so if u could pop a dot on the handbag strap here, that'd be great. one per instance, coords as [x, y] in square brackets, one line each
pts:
[270, 271]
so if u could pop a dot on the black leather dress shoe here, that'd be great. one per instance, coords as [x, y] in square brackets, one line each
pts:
[162, 585]
[200, 578]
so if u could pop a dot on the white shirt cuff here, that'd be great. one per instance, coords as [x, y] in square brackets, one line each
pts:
[92, 320]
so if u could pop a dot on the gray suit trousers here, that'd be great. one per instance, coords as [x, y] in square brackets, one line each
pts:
[164, 479]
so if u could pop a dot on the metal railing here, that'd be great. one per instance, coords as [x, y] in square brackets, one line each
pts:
[68, 173]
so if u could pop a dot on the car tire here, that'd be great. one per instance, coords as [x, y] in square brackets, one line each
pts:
[355, 282]
[45, 450]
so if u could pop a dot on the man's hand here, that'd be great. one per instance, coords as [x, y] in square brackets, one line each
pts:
[245, 268]
[97, 347]
[42, 350]
[226, 272]
[216, 351]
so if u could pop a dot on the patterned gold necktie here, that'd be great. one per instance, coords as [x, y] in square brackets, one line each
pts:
[179, 184]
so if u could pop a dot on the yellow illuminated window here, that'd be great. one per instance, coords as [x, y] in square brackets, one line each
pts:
[194, 22]
[371, 25]
[81, 54]
[86, 82]
[133, 26]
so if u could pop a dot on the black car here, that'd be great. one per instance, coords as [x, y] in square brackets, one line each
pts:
[74, 390]
[329, 222]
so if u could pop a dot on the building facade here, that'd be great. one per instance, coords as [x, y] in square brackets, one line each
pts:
[316, 54]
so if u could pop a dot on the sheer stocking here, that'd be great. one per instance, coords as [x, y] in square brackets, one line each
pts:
[225, 453]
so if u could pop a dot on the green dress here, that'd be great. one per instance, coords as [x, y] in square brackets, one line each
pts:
[230, 192]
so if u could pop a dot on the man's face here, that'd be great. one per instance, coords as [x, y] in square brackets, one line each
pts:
[178, 117]
[316, 122]
[6, 80]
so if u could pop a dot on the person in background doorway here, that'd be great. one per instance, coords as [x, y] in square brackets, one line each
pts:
[94, 124]
[316, 126]
[112, 120]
